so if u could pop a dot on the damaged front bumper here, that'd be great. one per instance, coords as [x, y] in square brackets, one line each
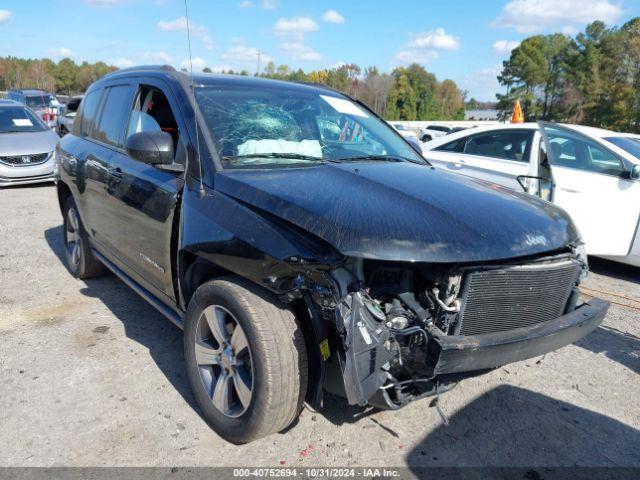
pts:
[457, 354]
[368, 353]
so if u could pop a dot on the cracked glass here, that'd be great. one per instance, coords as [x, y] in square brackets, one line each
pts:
[275, 127]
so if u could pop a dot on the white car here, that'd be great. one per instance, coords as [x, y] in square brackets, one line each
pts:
[430, 132]
[404, 130]
[592, 173]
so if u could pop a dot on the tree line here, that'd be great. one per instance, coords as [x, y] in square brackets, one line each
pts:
[407, 93]
[65, 77]
[592, 79]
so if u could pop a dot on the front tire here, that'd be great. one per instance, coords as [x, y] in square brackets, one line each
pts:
[246, 359]
[80, 260]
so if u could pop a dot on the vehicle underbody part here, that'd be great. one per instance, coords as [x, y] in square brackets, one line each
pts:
[403, 331]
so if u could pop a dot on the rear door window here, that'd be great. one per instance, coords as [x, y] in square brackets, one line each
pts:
[89, 110]
[113, 120]
[508, 145]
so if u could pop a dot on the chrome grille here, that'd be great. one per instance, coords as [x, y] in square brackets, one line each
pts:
[24, 160]
[501, 299]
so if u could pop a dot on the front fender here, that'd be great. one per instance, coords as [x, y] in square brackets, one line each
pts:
[248, 242]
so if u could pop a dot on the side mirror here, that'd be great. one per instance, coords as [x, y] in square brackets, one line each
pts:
[635, 172]
[153, 148]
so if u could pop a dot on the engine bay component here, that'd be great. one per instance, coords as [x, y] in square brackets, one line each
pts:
[411, 330]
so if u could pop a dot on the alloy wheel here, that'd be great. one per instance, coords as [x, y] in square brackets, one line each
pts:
[224, 361]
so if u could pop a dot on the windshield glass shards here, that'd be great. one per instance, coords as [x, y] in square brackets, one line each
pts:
[278, 127]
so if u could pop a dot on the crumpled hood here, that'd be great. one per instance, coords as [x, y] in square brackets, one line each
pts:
[27, 143]
[404, 211]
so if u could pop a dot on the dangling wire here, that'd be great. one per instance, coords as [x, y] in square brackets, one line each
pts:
[193, 93]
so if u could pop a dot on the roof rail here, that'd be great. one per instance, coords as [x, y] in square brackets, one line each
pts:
[143, 68]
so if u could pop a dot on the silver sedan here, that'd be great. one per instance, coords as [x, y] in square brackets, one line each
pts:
[27, 146]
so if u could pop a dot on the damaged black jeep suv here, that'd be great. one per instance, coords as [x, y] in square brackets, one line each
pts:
[303, 245]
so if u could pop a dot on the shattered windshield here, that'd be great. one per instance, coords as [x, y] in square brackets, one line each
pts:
[264, 127]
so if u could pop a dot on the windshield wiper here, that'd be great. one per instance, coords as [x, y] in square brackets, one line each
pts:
[376, 158]
[288, 156]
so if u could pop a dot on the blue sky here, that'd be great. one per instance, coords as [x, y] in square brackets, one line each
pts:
[465, 40]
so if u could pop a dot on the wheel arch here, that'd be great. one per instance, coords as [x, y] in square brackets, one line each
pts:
[63, 192]
[197, 270]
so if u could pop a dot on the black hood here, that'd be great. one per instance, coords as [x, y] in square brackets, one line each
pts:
[404, 211]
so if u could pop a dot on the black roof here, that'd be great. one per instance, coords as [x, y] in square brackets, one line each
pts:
[169, 72]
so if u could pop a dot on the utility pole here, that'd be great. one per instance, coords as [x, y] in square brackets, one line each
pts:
[259, 54]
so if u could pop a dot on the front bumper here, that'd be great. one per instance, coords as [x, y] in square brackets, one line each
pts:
[21, 175]
[459, 354]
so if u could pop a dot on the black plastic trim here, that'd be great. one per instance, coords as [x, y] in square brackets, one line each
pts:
[456, 353]
[158, 304]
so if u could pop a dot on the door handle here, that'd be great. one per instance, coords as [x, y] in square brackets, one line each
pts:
[115, 173]
[568, 190]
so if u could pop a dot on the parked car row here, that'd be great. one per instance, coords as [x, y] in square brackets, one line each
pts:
[67, 115]
[436, 131]
[43, 103]
[426, 133]
[591, 173]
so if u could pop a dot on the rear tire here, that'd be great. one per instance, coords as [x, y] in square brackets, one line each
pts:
[243, 346]
[80, 259]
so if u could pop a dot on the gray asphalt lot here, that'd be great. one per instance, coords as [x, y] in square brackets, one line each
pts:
[90, 375]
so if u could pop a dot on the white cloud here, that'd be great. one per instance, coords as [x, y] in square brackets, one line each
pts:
[180, 24]
[483, 84]
[295, 26]
[338, 64]
[504, 47]
[158, 57]
[528, 16]
[240, 53]
[437, 40]
[416, 56]
[425, 46]
[60, 52]
[294, 29]
[332, 16]
[246, 4]
[198, 64]
[269, 4]
[300, 51]
[5, 15]
[123, 63]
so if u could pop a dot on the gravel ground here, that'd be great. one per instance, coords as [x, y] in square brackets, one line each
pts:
[90, 375]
